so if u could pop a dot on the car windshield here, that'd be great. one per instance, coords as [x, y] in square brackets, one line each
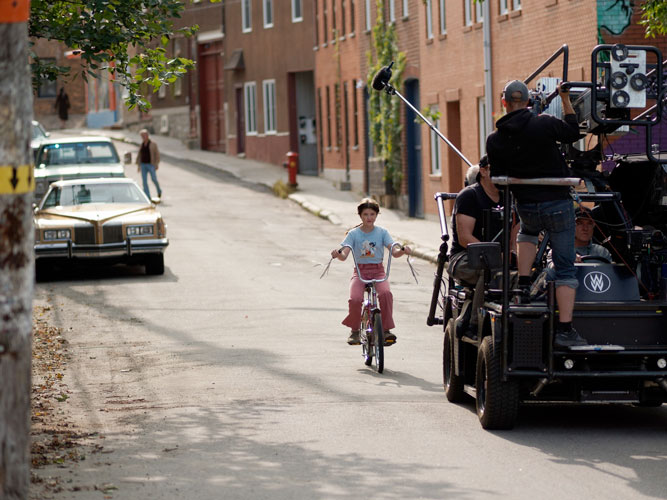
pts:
[79, 194]
[77, 153]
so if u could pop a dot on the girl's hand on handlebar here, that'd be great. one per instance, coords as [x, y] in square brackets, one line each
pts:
[340, 253]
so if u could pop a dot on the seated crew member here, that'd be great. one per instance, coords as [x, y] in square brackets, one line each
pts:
[583, 236]
[467, 227]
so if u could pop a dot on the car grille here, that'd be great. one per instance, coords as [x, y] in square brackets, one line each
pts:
[113, 233]
[84, 235]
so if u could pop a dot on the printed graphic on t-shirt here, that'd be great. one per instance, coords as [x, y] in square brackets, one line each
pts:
[368, 248]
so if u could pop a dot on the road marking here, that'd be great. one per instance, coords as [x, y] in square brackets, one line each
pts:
[17, 180]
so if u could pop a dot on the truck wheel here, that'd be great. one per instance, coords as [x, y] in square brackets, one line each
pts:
[497, 401]
[453, 383]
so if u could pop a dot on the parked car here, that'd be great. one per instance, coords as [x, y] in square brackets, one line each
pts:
[75, 158]
[38, 135]
[103, 218]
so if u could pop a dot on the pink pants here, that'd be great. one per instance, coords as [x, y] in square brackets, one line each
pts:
[385, 298]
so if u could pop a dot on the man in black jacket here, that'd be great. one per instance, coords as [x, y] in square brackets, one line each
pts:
[526, 145]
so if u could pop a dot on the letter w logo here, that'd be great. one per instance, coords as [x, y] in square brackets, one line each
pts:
[597, 282]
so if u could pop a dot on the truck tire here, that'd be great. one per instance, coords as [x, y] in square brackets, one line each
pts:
[452, 383]
[497, 401]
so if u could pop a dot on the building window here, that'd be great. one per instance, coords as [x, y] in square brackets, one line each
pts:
[443, 18]
[405, 8]
[297, 11]
[250, 90]
[268, 13]
[269, 91]
[479, 13]
[436, 159]
[334, 26]
[162, 91]
[325, 31]
[503, 7]
[368, 15]
[316, 5]
[246, 15]
[339, 139]
[47, 88]
[481, 117]
[392, 11]
[355, 115]
[342, 17]
[467, 12]
[429, 19]
[328, 104]
[516, 4]
[352, 26]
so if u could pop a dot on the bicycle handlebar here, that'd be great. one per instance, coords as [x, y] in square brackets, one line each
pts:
[356, 264]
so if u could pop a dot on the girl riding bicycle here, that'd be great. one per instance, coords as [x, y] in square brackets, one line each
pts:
[369, 242]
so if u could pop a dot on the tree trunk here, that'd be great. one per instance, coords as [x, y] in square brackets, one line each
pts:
[16, 257]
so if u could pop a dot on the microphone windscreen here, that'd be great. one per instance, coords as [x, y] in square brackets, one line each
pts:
[380, 80]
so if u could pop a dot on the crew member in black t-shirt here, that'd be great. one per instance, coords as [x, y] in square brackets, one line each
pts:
[467, 227]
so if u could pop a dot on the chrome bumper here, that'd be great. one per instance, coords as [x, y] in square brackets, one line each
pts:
[126, 248]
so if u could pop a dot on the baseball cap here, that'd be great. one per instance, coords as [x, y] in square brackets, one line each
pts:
[514, 87]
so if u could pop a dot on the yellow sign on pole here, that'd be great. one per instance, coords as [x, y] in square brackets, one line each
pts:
[17, 180]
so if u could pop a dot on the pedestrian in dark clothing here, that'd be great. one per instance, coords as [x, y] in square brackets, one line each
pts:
[62, 106]
[148, 161]
[526, 145]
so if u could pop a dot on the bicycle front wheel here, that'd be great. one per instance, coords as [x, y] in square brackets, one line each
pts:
[378, 342]
[366, 337]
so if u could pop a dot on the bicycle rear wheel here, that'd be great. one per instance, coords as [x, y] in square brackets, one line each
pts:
[378, 341]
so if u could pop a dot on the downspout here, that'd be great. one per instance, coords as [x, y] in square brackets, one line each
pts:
[488, 72]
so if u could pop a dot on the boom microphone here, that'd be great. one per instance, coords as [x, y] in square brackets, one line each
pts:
[381, 79]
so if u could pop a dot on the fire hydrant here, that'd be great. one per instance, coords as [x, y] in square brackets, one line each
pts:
[292, 168]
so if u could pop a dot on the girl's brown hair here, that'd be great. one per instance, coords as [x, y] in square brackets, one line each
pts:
[368, 203]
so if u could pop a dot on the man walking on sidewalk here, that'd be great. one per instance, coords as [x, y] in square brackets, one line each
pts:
[148, 161]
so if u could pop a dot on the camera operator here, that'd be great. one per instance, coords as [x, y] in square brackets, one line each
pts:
[526, 145]
[467, 227]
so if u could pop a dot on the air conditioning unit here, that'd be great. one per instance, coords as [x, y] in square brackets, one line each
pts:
[164, 124]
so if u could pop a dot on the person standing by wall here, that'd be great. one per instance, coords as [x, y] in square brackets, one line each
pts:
[62, 106]
[148, 161]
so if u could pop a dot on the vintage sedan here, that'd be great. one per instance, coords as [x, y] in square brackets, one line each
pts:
[75, 158]
[104, 218]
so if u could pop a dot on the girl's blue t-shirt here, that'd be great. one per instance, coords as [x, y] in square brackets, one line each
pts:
[368, 247]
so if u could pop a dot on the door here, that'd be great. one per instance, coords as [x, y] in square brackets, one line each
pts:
[414, 151]
[211, 92]
[240, 122]
[306, 123]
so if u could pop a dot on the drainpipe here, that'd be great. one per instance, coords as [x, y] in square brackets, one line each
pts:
[488, 73]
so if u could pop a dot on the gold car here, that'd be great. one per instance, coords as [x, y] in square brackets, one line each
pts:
[105, 218]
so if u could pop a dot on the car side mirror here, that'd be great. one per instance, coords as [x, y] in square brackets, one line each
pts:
[127, 158]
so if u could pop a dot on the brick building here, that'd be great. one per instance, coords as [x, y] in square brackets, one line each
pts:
[45, 96]
[177, 107]
[268, 87]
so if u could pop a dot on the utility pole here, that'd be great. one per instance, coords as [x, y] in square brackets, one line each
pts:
[16, 250]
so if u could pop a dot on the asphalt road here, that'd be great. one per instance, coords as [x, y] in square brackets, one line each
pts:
[229, 377]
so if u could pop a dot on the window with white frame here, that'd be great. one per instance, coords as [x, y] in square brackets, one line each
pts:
[269, 92]
[479, 12]
[503, 7]
[481, 118]
[467, 12]
[368, 15]
[443, 18]
[405, 8]
[268, 13]
[297, 11]
[250, 95]
[246, 16]
[392, 11]
[516, 4]
[436, 157]
[429, 19]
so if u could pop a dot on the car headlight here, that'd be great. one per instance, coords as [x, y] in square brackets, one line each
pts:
[145, 230]
[57, 234]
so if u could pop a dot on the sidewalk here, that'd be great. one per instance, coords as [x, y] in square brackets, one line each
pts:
[314, 194]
